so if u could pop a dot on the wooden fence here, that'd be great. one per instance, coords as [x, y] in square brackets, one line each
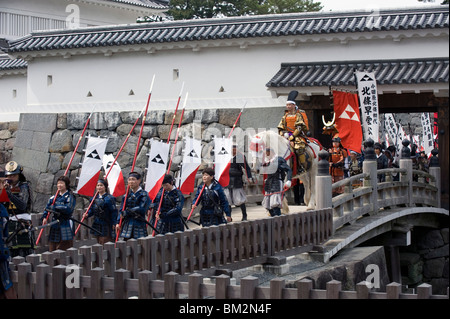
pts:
[58, 282]
[202, 250]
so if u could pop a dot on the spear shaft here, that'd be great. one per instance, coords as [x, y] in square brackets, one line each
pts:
[136, 153]
[171, 158]
[203, 188]
[67, 170]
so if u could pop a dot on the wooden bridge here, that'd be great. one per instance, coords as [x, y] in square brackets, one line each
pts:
[174, 265]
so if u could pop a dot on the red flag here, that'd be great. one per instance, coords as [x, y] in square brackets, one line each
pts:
[348, 121]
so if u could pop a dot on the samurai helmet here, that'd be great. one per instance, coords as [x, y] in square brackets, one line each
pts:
[291, 97]
[12, 168]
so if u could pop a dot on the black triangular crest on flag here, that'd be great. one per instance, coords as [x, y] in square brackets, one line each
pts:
[94, 155]
[366, 77]
[108, 165]
[158, 159]
[223, 151]
[193, 154]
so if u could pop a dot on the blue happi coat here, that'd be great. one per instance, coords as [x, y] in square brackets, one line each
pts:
[133, 213]
[64, 206]
[5, 280]
[170, 212]
[105, 214]
[214, 204]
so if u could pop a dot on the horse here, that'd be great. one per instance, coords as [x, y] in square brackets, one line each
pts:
[280, 145]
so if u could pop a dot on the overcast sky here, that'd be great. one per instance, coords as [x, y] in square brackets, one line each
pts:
[335, 5]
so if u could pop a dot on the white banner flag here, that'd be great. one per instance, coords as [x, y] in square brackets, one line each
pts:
[427, 134]
[157, 166]
[222, 159]
[368, 100]
[395, 132]
[91, 166]
[192, 158]
[116, 183]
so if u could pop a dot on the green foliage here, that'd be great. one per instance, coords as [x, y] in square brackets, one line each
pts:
[194, 9]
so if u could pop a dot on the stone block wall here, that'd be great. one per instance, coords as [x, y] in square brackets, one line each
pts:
[426, 260]
[44, 143]
[7, 140]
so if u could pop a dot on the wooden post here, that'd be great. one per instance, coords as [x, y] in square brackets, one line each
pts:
[59, 282]
[222, 283]
[24, 281]
[362, 291]
[132, 264]
[97, 252]
[145, 277]
[96, 290]
[110, 261]
[333, 289]
[248, 287]
[85, 251]
[424, 291]
[304, 287]
[120, 287]
[195, 281]
[276, 288]
[393, 290]
[170, 285]
[41, 288]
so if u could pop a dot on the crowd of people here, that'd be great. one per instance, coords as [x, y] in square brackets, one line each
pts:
[137, 213]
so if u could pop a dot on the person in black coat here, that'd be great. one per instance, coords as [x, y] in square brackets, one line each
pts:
[235, 189]
[277, 171]
[382, 161]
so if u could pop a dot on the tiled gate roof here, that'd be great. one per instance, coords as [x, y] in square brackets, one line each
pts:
[340, 73]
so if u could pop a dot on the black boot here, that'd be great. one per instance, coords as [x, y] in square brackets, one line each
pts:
[244, 212]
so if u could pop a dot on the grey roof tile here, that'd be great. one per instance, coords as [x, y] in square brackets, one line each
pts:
[341, 73]
[12, 64]
[235, 27]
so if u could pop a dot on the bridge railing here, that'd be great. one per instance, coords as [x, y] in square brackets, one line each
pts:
[373, 189]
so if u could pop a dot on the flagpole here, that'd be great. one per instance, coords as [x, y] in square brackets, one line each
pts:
[136, 153]
[175, 113]
[171, 158]
[67, 170]
[110, 168]
[203, 188]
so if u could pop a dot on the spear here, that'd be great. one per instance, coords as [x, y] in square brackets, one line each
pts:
[67, 170]
[110, 168]
[171, 158]
[136, 152]
[203, 188]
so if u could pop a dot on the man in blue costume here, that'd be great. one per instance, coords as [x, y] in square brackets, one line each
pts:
[170, 215]
[213, 200]
[134, 209]
[62, 233]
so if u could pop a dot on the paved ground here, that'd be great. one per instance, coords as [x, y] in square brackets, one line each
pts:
[254, 211]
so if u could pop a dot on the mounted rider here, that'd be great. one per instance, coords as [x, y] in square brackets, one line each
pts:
[294, 126]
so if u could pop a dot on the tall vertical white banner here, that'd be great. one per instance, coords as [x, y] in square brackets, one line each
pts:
[91, 166]
[192, 159]
[427, 134]
[222, 159]
[368, 100]
[157, 166]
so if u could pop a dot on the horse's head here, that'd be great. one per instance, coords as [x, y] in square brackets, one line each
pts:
[262, 140]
